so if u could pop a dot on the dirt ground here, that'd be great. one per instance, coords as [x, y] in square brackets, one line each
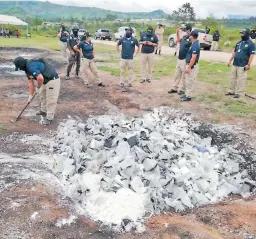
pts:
[233, 219]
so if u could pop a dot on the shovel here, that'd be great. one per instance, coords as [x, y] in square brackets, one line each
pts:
[26, 106]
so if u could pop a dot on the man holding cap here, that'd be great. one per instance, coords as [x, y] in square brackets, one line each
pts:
[160, 35]
[149, 42]
[179, 79]
[191, 71]
[242, 55]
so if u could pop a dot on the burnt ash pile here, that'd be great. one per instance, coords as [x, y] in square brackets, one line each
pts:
[164, 157]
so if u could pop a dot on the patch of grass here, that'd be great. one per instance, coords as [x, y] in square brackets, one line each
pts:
[51, 43]
[3, 129]
[113, 71]
[240, 107]
[102, 48]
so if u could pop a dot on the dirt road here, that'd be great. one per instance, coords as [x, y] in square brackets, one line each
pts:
[205, 55]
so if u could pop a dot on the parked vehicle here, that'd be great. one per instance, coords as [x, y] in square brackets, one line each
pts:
[103, 34]
[121, 32]
[81, 32]
[204, 39]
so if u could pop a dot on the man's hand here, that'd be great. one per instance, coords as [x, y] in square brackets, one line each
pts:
[188, 69]
[177, 30]
[73, 53]
[247, 68]
[30, 98]
[229, 63]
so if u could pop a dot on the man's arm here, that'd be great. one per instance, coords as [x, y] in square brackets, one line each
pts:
[248, 66]
[118, 45]
[138, 47]
[40, 80]
[178, 35]
[78, 50]
[31, 87]
[231, 58]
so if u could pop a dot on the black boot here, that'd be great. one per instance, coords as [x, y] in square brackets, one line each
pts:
[159, 53]
[156, 52]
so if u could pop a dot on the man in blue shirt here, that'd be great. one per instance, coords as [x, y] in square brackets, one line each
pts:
[149, 42]
[128, 43]
[63, 36]
[191, 71]
[242, 55]
[179, 79]
[86, 50]
[48, 85]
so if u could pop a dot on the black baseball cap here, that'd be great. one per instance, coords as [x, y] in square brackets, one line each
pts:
[245, 32]
[188, 26]
[150, 29]
[194, 34]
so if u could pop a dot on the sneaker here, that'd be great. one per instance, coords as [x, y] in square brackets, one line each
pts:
[129, 85]
[148, 80]
[67, 78]
[172, 91]
[40, 112]
[229, 93]
[181, 92]
[101, 84]
[236, 96]
[47, 122]
[182, 96]
[142, 81]
[186, 99]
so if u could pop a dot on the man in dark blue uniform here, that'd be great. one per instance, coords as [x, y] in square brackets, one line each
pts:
[253, 35]
[74, 57]
[48, 84]
[191, 71]
[149, 42]
[128, 43]
[179, 79]
[215, 41]
[242, 55]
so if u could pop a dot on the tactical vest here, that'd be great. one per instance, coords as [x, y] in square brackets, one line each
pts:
[49, 72]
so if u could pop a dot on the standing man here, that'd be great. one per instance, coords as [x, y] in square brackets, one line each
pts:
[243, 56]
[215, 41]
[86, 50]
[74, 57]
[149, 42]
[48, 85]
[160, 35]
[192, 59]
[63, 36]
[128, 43]
[179, 79]
[253, 34]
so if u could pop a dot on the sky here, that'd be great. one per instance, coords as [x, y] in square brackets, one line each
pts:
[203, 8]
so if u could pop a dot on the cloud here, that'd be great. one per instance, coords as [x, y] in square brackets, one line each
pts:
[203, 8]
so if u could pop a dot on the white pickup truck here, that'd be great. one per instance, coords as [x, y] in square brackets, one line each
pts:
[204, 39]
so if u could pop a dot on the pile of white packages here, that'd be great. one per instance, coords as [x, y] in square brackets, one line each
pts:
[121, 170]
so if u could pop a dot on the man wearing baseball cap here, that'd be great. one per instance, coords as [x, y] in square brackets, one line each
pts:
[179, 80]
[191, 71]
[242, 55]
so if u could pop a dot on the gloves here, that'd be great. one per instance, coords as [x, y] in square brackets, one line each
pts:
[30, 98]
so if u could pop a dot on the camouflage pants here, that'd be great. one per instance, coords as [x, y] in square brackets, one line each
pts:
[72, 60]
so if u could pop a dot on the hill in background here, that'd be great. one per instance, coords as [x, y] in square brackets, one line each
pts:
[50, 11]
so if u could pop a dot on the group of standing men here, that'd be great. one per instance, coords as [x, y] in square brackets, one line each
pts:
[82, 52]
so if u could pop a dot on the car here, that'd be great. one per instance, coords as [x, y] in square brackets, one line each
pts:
[103, 34]
[204, 39]
[121, 32]
[81, 32]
